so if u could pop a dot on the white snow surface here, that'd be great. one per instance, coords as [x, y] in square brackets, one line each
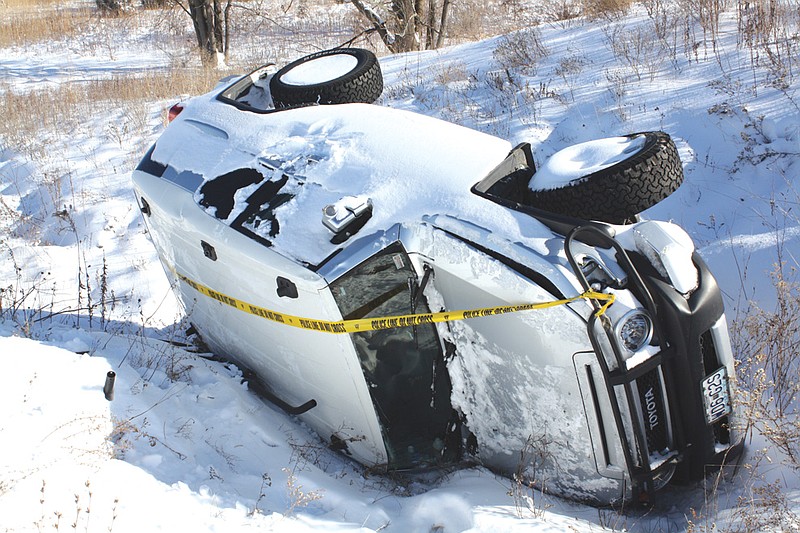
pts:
[385, 154]
[571, 164]
[184, 445]
[320, 70]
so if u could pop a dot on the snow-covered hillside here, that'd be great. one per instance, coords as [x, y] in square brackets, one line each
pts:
[185, 446]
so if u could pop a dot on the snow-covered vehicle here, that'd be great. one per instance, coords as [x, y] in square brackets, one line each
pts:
[420, 294]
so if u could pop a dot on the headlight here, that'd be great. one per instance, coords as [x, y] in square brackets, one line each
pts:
[635, 330]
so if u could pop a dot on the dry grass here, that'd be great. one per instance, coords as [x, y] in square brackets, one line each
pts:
[768, 342]
[154, 85]
[605, 9]
[29, 4]
[32, 119]
[27, 22]
[520, 51]
[770, 369]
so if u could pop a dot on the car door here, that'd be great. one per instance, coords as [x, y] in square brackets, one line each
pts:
[404, 367]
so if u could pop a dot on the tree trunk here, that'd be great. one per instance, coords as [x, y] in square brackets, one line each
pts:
[409, 24]
[406, 22]
[209, 29]
[430, 26]
[228, 28]
[442, 23]
[377, 22]
[218, 39]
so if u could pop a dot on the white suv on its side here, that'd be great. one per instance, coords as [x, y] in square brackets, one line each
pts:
[420, 294]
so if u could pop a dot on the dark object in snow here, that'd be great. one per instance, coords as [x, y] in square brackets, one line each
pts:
[219, 192]
[108, 388]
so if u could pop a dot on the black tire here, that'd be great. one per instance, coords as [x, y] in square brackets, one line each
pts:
[618, 193]
[363, 83]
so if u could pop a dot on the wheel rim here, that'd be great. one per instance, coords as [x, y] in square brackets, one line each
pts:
[320, 70]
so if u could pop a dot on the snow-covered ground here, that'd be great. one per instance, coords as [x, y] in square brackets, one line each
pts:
[184, 446]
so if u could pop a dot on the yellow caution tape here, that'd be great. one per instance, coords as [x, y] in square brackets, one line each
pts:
[389, 322]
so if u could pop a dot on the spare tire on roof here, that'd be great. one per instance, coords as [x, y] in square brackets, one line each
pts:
[646, 170]
[339, 76]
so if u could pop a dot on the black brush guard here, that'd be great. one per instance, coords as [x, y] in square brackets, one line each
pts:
[684, 325]
[637, 453]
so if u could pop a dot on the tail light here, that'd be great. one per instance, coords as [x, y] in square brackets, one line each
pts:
[174, 111]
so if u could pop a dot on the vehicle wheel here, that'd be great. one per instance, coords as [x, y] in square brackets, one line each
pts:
[340, 76]
[646, 170]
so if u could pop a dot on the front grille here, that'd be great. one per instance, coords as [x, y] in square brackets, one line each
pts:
[708, 352]
[654, 412]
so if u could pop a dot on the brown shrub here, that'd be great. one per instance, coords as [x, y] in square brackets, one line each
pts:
[606, 9]
[26, 22]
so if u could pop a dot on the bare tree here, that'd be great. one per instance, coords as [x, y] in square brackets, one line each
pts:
[406, 25]
[211, 19]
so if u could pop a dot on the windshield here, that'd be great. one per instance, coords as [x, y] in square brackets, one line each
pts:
[404, 367]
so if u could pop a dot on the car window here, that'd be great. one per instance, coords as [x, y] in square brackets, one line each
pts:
[404, 367]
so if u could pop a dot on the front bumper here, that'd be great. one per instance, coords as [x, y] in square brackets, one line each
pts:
[649, 419]
[698, 344]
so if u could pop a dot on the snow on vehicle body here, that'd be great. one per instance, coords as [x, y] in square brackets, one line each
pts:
[279, 226]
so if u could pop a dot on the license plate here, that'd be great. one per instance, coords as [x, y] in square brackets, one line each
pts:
[716, 396]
